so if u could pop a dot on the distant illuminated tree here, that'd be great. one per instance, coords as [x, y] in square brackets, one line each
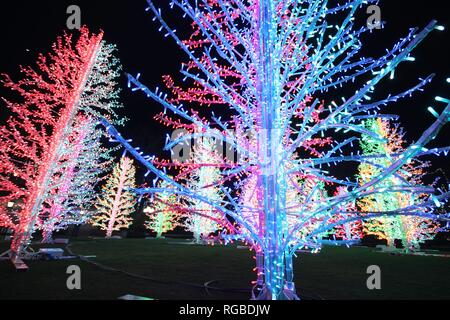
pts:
[417, 230]
[116, 202]
[162, 212]
[350, 231]
[204, 178]
[76, 77]
[409, 229]
[268, 66]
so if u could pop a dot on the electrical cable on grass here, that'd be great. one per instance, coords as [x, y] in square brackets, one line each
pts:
[206, 286]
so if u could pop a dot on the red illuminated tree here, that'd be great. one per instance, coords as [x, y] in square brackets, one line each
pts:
[76, 76]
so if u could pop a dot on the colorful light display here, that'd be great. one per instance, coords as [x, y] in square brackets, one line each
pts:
[204, 178]
[116, 202]
[77, 76]
[352, 230]
[162, 212]
[410, 230]
[270, 63]
[81, 163]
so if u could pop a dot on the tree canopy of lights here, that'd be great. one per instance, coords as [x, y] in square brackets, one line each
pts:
[82, 162]
[272, 66]
[162, 212]
[116, 202]
[78, 76]
[409, 229]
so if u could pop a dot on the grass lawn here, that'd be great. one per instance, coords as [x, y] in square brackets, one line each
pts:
[335, 273]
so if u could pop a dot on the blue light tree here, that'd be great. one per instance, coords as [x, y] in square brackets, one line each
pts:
[272, 63]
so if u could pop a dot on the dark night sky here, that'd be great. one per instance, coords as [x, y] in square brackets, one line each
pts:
[29, 27]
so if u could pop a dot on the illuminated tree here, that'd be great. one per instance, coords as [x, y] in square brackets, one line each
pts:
[267, 65]
[409, 229]
[417, 230]
[116, 202]
[76, 77]
[163, 212]
[301, 205]
[203, 178]
[350, 231]
[82, 161]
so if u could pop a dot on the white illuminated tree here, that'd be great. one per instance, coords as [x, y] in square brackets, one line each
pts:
[204, 178]
[116, 202]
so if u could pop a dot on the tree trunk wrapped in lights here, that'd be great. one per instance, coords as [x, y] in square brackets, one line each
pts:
[116, 202]
[409, 229]
[76, 77]
[301, 205]
[269, 63]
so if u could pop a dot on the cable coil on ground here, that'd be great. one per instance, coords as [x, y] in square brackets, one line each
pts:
[207, 286]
